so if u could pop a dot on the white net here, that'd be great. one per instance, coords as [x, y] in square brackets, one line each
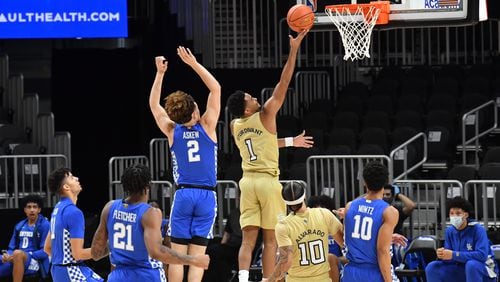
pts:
[355, 28]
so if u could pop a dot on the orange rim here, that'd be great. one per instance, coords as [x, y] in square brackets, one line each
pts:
[383, 6]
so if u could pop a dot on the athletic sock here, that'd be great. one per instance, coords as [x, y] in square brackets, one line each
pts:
[243, 275]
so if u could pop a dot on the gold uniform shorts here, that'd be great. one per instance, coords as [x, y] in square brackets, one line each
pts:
[260, 201]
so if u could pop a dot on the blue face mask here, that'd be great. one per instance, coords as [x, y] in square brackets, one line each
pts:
[456, 221]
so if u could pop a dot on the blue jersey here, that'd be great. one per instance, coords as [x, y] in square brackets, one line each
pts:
[194, 157]
[333, 247]
[66, 223]
[126, 236]
[30, 238]
[362, 224]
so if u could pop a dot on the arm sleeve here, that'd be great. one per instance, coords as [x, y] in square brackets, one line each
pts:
[282, 236]
[12, 243]
[44, 231]
[75, 221]
[448, 239]
[481, 244]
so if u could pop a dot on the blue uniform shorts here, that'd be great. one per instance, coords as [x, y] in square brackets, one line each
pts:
[31, 267]
[75, 273]
[192, 215]
[121, 274]
[353, 273]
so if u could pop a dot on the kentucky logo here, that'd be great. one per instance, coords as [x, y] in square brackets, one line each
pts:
[469, 247]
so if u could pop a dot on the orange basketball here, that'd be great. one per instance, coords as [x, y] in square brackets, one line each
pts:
[300, 17]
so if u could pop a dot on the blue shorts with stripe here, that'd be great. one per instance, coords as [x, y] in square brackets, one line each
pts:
[74, 273]
[123, 273]
[193, 214]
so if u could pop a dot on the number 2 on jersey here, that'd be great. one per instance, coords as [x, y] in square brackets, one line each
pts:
[363, 230]
[248, 142]
[193, 155]
[122, 236]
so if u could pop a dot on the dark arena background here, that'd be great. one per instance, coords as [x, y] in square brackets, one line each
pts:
[86, 97]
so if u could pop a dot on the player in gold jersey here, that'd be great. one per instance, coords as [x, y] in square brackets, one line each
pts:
[303, 239]
[254, 132]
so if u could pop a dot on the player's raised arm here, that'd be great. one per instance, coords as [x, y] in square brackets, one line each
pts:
[211, 115]
[151, 222]
[162, 119]
[274, 103]
[100, 247]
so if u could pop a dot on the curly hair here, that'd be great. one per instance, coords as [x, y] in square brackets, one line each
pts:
[136, 178]
[179, 106]
[32, 199]
[375, 175]
[56, 179]
[460, 203]
[236, 103]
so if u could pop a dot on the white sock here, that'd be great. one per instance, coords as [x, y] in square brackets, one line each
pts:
[243, 275]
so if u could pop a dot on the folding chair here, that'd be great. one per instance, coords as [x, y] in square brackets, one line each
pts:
[424, 247]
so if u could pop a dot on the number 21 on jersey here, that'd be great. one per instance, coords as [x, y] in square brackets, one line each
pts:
[122, 236]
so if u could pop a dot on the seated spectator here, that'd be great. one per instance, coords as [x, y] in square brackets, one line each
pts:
[223, 256]
[466, 255]
[404, 205]
[25, 255]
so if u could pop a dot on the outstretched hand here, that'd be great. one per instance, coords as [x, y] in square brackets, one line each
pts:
[399, 239]
[186, 56]
[295, 41]
[303, 141]
[161, 64]
[340, 212]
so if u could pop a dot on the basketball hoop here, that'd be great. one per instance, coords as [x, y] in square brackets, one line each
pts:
[355, 23]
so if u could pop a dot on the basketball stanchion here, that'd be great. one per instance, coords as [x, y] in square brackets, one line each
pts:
[355, 24]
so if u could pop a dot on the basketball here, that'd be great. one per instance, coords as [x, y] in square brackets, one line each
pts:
[300, 17]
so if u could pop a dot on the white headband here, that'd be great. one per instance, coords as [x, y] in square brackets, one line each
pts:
[298, 201]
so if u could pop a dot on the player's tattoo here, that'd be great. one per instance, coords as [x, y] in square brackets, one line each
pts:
[176, 258]
[282, 266]
[99, 248]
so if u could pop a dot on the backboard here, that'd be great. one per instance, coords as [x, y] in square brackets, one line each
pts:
[413, 13]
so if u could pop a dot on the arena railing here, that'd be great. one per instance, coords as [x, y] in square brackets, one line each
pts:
[430, 215]
[116, 167]
[484, 197]
[27, 174]
[340, 173]
[290, 106]
[310, 86]
[159, 157]
[473, 118]
[400, 153]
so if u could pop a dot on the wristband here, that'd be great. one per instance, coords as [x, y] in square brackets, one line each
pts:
[289, 142]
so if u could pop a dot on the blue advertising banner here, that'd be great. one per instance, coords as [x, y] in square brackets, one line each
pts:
[63, 18]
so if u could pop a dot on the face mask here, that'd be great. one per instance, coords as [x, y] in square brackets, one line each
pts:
[456, 221]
